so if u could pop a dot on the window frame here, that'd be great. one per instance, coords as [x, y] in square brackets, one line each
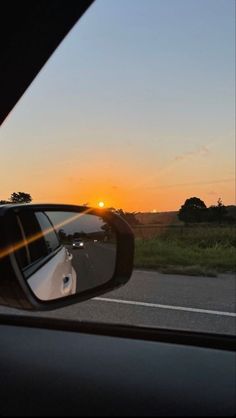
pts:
[36, 265]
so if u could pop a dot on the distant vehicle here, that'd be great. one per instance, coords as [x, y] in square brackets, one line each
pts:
[78, 244]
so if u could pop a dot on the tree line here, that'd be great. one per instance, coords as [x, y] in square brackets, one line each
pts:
[194, 210]
[16, 198]
[129, 217]
[22, 198]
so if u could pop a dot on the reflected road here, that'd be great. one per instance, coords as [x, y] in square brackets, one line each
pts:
[94, 264]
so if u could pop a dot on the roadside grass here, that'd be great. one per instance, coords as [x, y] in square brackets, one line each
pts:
[191, 251]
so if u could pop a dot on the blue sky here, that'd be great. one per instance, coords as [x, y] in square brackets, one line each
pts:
[138, 98]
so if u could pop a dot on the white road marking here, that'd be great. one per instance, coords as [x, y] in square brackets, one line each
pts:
[170, 307]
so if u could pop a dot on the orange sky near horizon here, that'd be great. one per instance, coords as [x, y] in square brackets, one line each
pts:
[131, 192]
[135, 181]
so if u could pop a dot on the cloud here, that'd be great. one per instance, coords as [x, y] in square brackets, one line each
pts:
[202, 152]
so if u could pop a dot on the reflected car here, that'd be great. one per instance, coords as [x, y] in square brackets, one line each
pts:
[78, 245]
[55, 279]
[46, 264]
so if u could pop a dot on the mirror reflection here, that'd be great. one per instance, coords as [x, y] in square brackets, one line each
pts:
[65, 253]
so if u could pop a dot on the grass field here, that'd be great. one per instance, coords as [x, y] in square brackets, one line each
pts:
[201, 250]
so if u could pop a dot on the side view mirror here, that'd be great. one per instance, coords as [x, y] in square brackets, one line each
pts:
[55, 255]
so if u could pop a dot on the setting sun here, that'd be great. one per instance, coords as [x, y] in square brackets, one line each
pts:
[101, 204]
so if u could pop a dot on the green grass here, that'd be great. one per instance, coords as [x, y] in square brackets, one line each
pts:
[195, 251]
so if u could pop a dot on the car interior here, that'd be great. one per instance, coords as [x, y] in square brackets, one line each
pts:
[57, 367]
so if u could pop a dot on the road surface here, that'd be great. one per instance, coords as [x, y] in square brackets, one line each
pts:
[94, 264]
[153, 299]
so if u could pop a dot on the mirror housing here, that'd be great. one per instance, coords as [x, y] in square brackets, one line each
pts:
[15, 290]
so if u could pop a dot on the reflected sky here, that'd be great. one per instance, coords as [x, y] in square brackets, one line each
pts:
[85, 223]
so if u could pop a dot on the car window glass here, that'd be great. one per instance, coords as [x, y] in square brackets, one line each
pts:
[39, 238]
[35, 242]
[49, 234]
[22, 253]
[135, 112]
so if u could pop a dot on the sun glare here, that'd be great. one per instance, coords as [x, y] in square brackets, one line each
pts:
[101, 204]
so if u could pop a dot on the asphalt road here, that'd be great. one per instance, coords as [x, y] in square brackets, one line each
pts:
[168, 301]
[94, 264]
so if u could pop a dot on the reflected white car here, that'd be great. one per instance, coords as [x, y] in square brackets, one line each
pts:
[55, 279]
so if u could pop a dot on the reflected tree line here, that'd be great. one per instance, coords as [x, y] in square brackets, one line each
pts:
[105, 235]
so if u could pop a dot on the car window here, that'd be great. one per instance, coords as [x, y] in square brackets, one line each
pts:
[39, 238]
[135, 112]
[50, 235]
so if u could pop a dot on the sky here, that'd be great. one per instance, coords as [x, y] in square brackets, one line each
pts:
[136, 108]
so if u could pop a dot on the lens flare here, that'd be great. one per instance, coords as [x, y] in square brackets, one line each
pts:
[22, 244]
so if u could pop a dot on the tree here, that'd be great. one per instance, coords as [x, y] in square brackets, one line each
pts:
[20, 197]
[4, 202]
[128, 217]
[108, 232]
[62, 236]
[217, 213]
[194, 210]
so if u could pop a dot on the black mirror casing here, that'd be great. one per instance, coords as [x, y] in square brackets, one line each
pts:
[14, 290]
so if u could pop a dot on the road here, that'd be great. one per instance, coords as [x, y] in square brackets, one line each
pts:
[94, 264]
[153, 299]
